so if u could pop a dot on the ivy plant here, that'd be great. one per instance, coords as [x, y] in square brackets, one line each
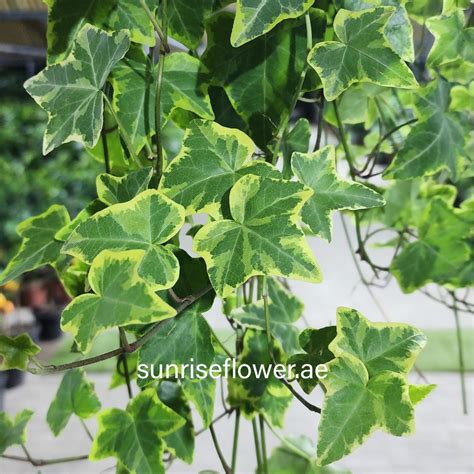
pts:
[191, 111]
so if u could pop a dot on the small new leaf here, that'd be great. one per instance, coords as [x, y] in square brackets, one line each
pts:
[135, 436]
[262, 238]
[71, 90]
[146, 222]
[362, 54]
[75, 396]
[13, 431]
[120, 298]
[39, 245]
[318, 171]
[16, 351]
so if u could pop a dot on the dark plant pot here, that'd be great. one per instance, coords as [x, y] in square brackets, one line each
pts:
[14, 378]
[49, 322]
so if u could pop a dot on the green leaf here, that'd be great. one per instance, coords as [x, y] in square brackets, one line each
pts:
[362, 54]
[13, 431]
[398, 31]
[135, 436]
[453, 40]
[264, 395]
[318, 171]
[379, 346]
[284, 309]
[185, 339]
[146, 222]
[121, 298]
[436, 142]
[420, 392]
[253, 19]
[114, 190]
[462, 98]
[16, 351]
[38, 246]
[180, 442]
[129, 15]
[186, 20]
[260, 78]
[202, 394]
[134, 84]
[263, 237]
[297, 139]
[296, 456]
[75, 396]
[440, 252]
[315, 342]
[65, 20]
[71, 90]
[356, 405]
[211, 160]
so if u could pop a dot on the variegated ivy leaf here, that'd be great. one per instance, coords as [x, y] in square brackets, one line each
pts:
[362, 54]
[71, 90]
[134, 84]
[284, 309]
[366, 385]
[355, 405]
[379, 346]
[114, 190]
[146, 222]
[13, 431]
[211, 160]
[264, 395]
[318, 171]
[75, 396]
[262, 238]
[260, 78]
[135, 436]
[65, 20]
[15, 352]
[39, 245]
[255, 18]
[453, 40]
[120, 298]
[202, 394]
[441, 252]
[436, 142]
[398, 30]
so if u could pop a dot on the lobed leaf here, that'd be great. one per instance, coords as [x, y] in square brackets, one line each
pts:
[71, 90]
[144, 223]
[362, 54]
[120, 298]
[317, 170]
[39, 245]
[262, 237]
